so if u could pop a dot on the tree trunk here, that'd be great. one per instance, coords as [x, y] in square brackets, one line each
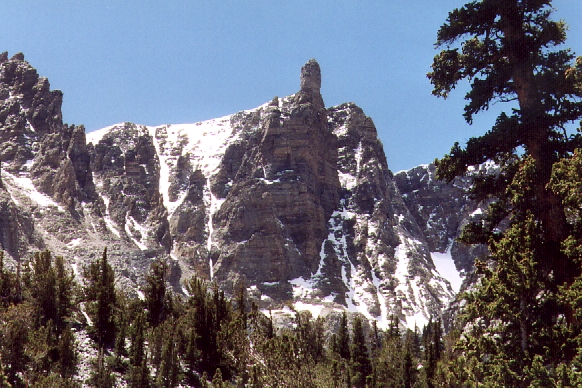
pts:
[535, 134]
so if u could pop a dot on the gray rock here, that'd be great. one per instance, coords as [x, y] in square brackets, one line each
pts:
[291, 199]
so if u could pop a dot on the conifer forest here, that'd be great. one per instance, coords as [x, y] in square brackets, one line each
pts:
[517, 324]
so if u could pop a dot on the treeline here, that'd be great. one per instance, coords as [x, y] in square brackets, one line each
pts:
[200, 340]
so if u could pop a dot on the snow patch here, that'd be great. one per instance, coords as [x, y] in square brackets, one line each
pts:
[214, 205]
[408, 288]
[347, 180]
[302, 288]
[73, 243]
[477, 212]
[26, 185]
[131, 222]
[75, 270]
[446, 268]
[108, 221]
[97, 135]
[314, 309]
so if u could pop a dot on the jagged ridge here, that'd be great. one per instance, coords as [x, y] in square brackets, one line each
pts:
[291, 199]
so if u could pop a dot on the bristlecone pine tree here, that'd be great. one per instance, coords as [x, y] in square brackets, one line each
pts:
[519, 330]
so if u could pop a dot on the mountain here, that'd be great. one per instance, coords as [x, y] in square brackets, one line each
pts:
[292, 200]
[442, 209]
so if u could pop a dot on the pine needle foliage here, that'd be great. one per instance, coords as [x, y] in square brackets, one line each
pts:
[518, 330]
[100, 297]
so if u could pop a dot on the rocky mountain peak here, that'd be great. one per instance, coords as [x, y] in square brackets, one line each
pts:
[311, 78]
[292, 199]
[18, 57]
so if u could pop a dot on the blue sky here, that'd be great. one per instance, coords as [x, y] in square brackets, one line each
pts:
[158, 62]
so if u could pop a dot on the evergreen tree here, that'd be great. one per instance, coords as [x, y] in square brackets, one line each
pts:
[407, 371]
[208, 312]
[8, 285]
[389, 360]
[15, 326]
[191, 354]
[101, 374]
[66, 292]
[309, 335]
[41, 283]
[138, 374]
[241, 305]
[67, 365]
[121, 323]
[515, 317]
[361, 364]
[506, 51]
[101, 299]
[393, 329]
[169, 370]
[432, 342]
[217, 379]
[156, 296]
[344, 338]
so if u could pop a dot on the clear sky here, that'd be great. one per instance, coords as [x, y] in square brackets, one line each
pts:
[160, 62]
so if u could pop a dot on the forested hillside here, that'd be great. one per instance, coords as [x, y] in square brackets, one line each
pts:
[59, 333]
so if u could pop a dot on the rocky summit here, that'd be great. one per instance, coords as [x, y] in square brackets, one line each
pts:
[292, 200]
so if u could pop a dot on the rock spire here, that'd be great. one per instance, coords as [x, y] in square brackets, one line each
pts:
[311, 77]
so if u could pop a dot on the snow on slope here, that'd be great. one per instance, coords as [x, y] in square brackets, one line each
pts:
[446, 268]
[21, 185]
[369, 292]
[376, 293]
[204, 143]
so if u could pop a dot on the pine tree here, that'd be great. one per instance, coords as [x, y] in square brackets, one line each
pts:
[407, 371]
[191, 354]
[514, 315]
[3, 377]
[121, 323]
[138, 374]
[68, 357]
[361, 364]
[101, 374]
[15, 326]
[66, 292]
[208, 313]
[217, 379]
[101, 299]
[344, 338]
[155, 292]
[506, 51]
[393, 329]
[432, 342]
[169, 370]
[41, 283]
[8, 285]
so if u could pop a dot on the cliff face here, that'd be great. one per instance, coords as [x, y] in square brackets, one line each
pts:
[442, 210]
[293, 200]
[272, 220]
[45, 163]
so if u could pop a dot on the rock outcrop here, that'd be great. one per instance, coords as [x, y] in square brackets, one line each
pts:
[272, 222]
[293, 200]
[44, 162]
[442, 209]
